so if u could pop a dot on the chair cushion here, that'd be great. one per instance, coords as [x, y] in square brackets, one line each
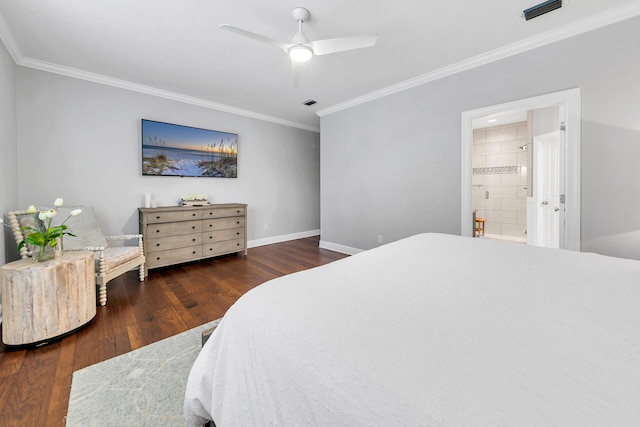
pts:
[85, 226]
[115, 257]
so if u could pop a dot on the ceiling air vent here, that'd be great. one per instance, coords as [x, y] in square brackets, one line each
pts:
[309, 102]
[541, 9]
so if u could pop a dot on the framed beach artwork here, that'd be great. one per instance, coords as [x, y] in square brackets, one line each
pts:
[176, 150]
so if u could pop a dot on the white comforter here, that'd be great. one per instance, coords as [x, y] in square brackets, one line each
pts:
[433, 330]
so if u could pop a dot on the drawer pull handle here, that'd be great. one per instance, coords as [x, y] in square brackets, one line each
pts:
[193, 227]
[194, 252]
[193, 214]
[238, 244]
[237, 222]
[157, 217]
[238, 233]
[210, 225]
[193, 240]
[157, 244]
[157, 231]
[157, 258]
[211, 237]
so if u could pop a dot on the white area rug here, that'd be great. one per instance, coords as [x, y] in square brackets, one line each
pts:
[144, 387]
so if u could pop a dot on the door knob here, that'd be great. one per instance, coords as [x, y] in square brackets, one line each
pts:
[556, 209]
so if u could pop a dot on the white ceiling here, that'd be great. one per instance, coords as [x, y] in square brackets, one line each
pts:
[174, 47]
[499, 119]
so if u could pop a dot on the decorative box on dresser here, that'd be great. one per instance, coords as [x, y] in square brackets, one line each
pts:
[178, 234]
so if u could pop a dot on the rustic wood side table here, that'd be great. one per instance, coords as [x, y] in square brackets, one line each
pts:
[43, 300]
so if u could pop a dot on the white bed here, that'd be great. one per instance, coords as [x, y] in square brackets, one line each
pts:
[432, 330]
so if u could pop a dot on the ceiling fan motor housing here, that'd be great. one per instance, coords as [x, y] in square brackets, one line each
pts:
[301, 14]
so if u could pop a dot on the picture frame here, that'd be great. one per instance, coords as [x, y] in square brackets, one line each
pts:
[177, 150]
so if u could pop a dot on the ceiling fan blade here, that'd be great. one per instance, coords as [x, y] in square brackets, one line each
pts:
[281, 45]
[296, 73]
[323, 47]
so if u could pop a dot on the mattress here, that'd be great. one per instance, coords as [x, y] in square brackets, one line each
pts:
[430, 330]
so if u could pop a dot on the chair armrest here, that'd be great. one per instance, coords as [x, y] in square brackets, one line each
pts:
[127, 237]
[124, 237]
[91, 248]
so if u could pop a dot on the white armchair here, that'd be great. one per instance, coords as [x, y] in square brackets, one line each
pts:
[111, 261]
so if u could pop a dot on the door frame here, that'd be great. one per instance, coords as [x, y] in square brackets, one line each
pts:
[570, 100]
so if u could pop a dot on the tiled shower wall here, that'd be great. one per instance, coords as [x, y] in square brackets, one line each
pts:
[500, 179]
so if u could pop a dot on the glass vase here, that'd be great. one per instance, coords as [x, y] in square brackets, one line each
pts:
[44, 253]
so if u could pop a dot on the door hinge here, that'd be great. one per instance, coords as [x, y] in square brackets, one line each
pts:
[562, 198]
[562, 126]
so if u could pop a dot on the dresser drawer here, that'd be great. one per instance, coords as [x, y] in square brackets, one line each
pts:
[223, 212]
[219, 248]
[221, 235]
[173, 256]
[174, 242]
[172, 216]
[222, 223]
[173, 229]
[175, 235]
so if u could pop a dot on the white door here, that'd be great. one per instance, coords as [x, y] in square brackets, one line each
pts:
[548, 156]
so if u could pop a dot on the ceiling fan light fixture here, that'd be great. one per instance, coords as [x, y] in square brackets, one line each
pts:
[300, 53]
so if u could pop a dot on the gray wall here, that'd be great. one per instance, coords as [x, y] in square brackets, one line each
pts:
[8, 141]
[391, 167]
[81, 141]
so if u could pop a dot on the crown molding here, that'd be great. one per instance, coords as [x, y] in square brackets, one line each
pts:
[148, 90]
[8, 40]
[593, 22]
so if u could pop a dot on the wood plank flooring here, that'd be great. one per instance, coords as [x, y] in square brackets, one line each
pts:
[35, 382]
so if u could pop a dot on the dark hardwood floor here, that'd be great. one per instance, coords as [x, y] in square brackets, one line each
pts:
[35, 382]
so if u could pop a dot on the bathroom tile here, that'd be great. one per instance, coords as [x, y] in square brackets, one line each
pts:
[477, 191]
[486, 179]
[522, 218]
[502, 217]
[523, 158]
[485, 149]
[479, 136]
[498, 135]
[510, 125]
[523, 131]
[521, 192]
[493, 204]
[514, 205]
[514, 230]
[502, 191]
[478, 161]
[491, 228]
[475, 201]
[511, 146]
[513, 179]
[502, 160]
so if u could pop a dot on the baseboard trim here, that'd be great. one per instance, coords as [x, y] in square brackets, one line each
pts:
[282, 238]
[339, 248]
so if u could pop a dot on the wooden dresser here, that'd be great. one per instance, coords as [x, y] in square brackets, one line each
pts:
[176, 234]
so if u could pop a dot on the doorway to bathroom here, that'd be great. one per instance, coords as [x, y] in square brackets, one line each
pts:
[522, 173]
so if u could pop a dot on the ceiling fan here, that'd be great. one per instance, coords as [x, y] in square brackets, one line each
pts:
[301, 49]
